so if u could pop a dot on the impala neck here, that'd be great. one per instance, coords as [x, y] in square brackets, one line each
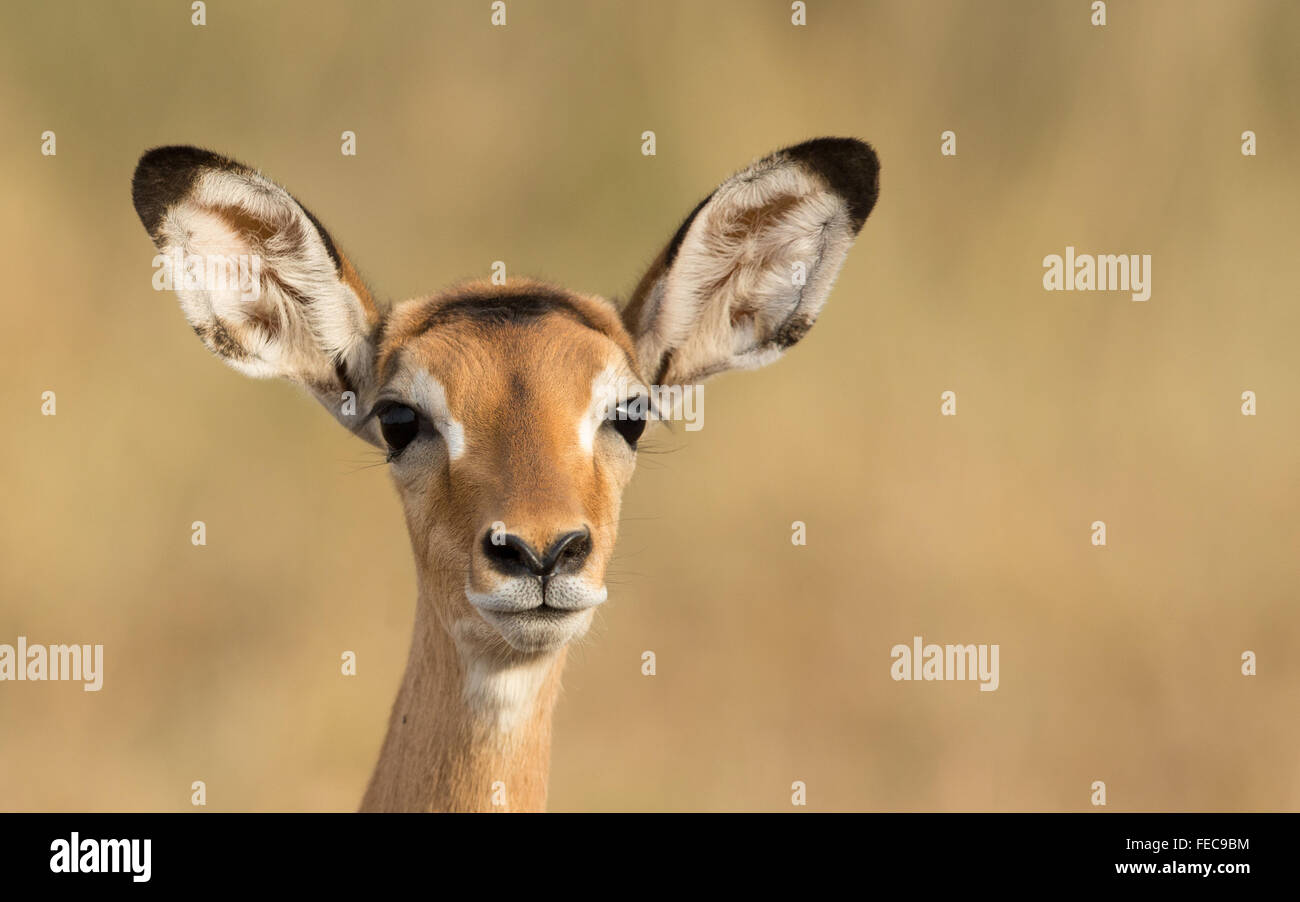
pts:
[470, 730]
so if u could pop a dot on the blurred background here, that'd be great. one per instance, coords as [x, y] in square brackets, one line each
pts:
[523, 144]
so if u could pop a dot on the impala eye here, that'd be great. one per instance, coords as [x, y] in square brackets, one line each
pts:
[400, 425]
[629, 418]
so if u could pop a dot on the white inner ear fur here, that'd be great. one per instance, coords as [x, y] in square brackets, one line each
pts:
[738, 260]
[292, 260]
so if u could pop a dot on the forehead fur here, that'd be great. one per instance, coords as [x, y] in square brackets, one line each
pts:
[481, 311]
[516, 366]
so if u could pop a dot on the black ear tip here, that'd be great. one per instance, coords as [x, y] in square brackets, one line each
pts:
[850, 166]
[164, 175]
[180, 156]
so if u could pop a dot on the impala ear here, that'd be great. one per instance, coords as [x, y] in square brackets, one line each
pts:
[259, 279]
[749, 270]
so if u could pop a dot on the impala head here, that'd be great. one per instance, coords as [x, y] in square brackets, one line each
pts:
[510, 414]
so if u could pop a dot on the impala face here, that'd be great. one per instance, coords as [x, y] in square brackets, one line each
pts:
[493, 403]
[494, 406]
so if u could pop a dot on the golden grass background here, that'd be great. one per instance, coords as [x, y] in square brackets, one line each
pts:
[523, 144]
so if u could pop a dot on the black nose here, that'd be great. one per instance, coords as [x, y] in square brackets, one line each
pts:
[512, 556]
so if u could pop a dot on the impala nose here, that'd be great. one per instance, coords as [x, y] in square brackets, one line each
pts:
[512, 555]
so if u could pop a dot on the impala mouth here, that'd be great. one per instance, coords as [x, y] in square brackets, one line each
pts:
[539, 629]
[542, 610]
[521, 595]
[489, 606]
[532, 617]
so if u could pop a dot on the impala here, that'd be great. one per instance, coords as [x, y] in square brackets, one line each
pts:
[510, 416]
